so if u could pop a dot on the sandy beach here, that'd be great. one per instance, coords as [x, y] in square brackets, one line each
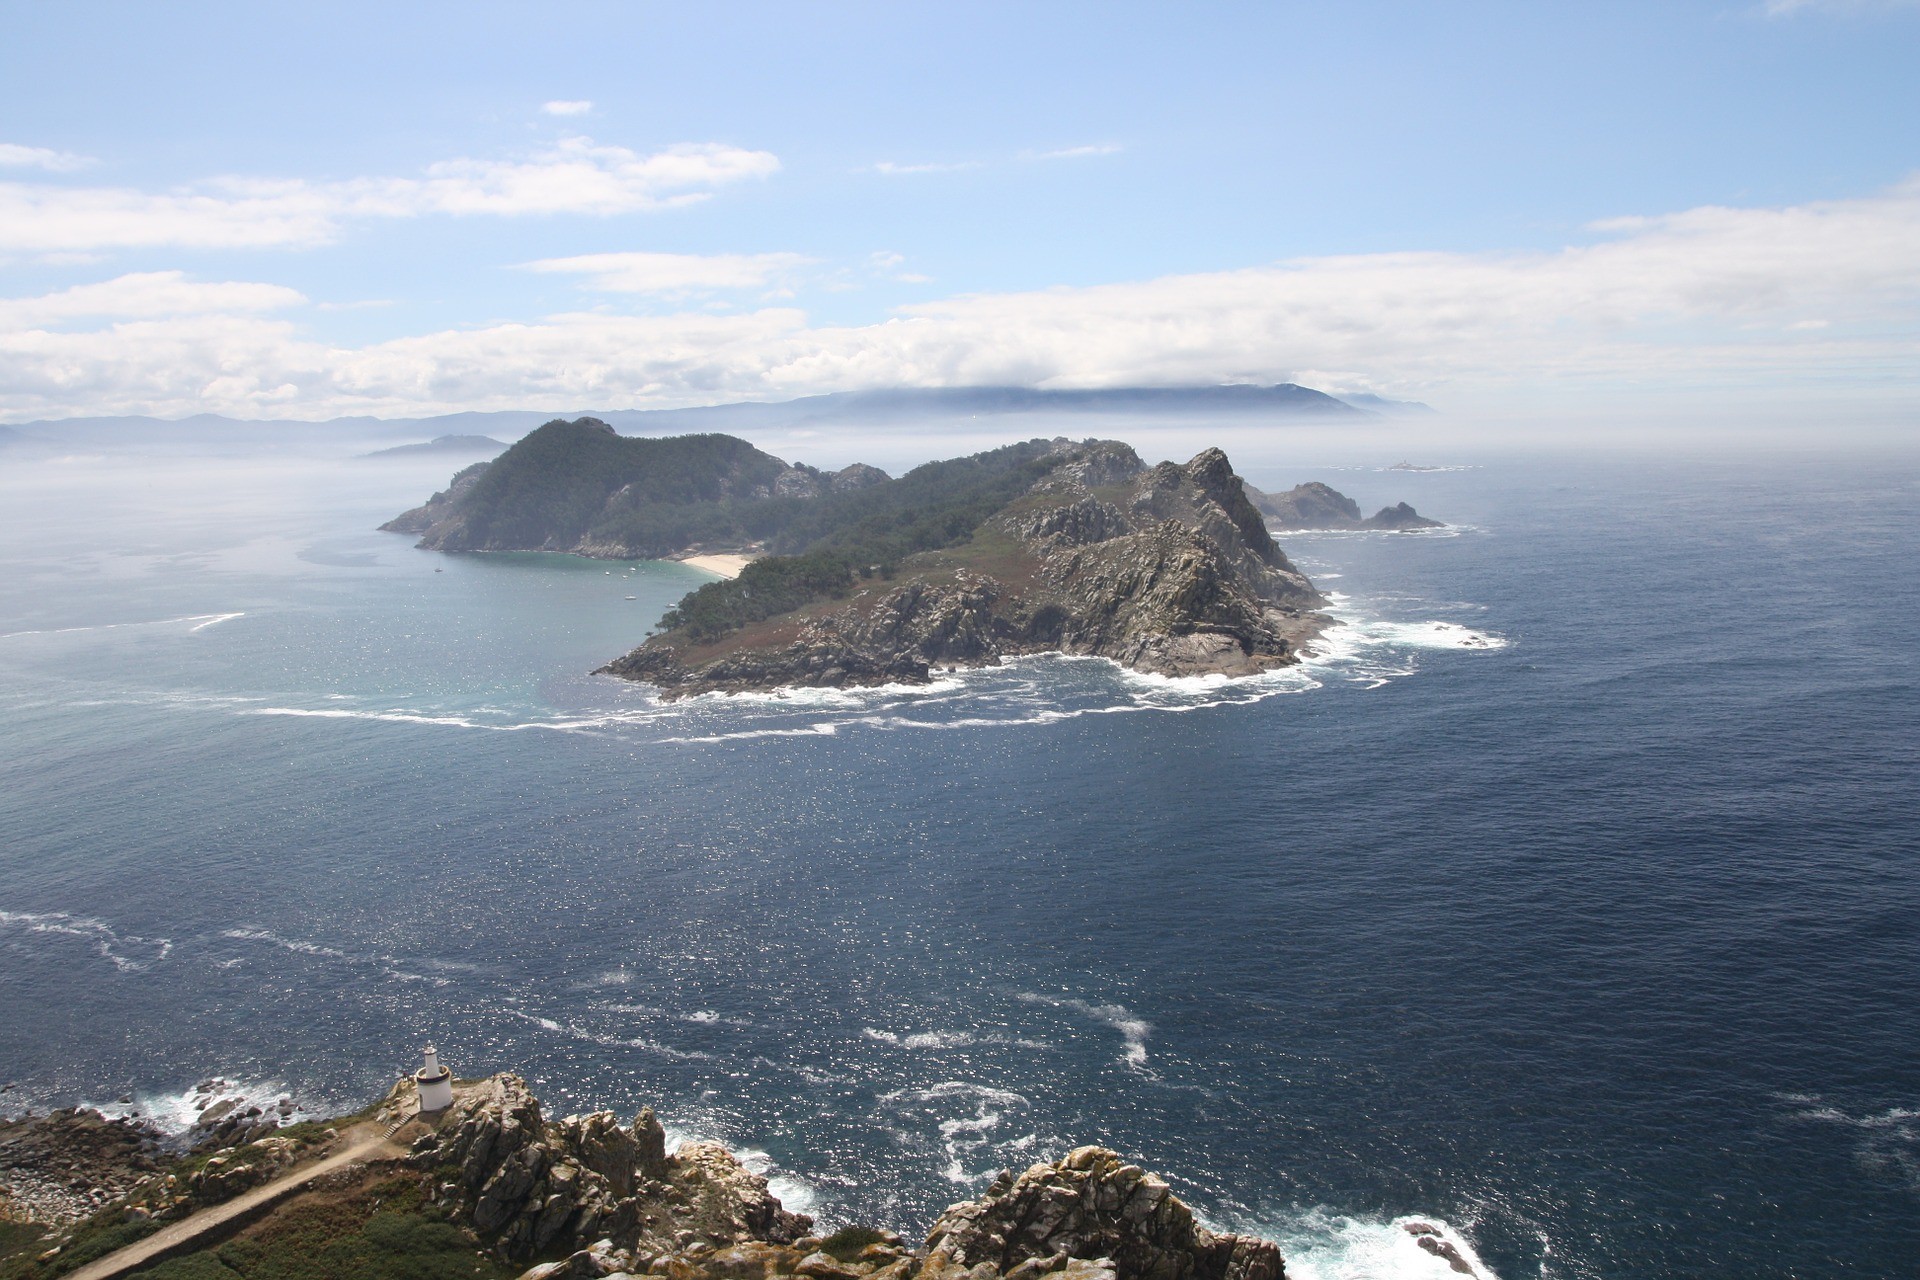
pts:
[727, 566]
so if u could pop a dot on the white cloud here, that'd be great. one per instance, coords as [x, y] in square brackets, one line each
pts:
[575, 175]
[1076, 153]
[567, 108]
[673, 273]
[1787, 8]
[15, 156]
[145, 295]
[891, 169]
[1710, 300]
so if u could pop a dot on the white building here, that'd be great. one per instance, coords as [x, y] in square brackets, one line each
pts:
[434, 1082]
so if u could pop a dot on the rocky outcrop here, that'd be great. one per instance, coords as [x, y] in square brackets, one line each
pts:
[226, 1175]
[61, 1167]
[1168, 570]
[1090, 1206]
[1089, 1216]
[1400, 516]
[531, 1186]
[1317, 506]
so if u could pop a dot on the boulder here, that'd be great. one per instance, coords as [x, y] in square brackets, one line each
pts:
[1095, 1208]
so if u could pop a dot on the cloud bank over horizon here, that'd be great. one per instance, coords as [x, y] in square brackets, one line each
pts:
[1745, 301]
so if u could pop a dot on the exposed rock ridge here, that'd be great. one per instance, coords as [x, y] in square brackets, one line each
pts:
[1168, 570]
[534, 1186]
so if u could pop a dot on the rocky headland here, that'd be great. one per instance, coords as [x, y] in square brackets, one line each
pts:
[585, 1196]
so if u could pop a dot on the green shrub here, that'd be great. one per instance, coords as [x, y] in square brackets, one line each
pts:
[846, 1243]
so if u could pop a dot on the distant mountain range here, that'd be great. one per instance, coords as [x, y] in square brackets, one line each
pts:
[851, 408]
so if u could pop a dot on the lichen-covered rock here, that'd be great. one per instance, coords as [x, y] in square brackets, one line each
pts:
[535, 1187]
[226, 1175]
[1095, 1207]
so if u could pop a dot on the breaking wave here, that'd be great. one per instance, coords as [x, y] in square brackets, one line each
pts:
[1133, 1029]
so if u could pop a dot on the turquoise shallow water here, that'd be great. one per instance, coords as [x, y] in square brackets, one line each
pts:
[1567, 897]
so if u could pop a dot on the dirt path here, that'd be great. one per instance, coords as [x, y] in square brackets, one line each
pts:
[361, 1142]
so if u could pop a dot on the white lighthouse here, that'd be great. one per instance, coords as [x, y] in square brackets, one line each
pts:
[434, 1082]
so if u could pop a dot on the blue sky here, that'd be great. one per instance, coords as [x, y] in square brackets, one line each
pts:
[309, 210]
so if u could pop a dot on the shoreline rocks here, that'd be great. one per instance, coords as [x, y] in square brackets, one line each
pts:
[588, 1196]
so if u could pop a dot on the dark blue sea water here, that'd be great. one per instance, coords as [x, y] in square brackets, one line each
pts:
[1569, 898]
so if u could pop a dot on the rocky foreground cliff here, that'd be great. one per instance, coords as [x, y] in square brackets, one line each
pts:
[587, 1196]
[1167, 569]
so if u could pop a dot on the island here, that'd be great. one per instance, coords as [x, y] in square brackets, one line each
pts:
[1314, 506]
[856, 578]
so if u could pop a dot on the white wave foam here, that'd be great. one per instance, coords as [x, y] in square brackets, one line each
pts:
[613, 1042]
[285, 944]
[199, 621]
[453, 721]
[1326, 1246]
[387, 965]
[947, 1039]
[174, 1114]
[812, 730]
[961, 1136]
[1888, 1141]
[107, 944]
[794, 1192]
[1133, 1029]
[921, 1040]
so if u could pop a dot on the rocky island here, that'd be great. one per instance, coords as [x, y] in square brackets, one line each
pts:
[1314, 505]
[489, 1187]
[857, 578]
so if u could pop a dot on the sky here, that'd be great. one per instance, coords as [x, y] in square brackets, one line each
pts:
[1511, 211]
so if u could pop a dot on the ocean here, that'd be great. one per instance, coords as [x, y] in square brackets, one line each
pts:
[1567, 897]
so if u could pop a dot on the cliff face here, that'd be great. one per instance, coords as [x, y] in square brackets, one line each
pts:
[1317, 506]
[1168, 569]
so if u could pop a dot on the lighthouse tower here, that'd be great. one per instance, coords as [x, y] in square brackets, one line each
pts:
[434, 1083]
